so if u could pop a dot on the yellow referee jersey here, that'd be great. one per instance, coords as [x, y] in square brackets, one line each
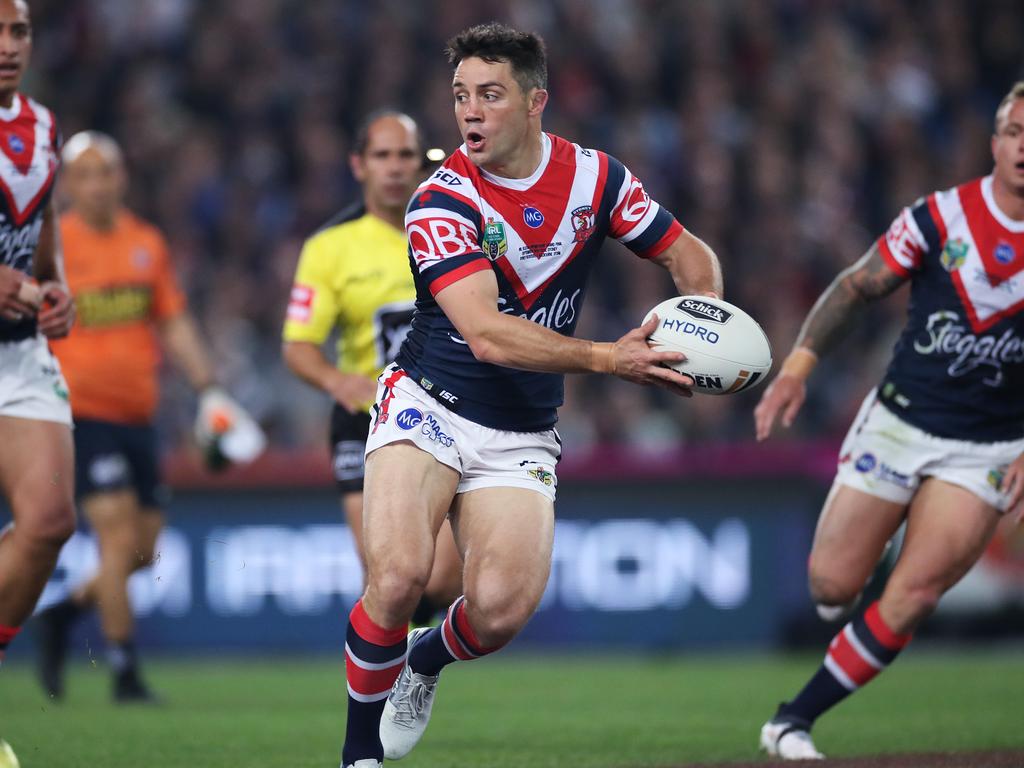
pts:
[353, 274]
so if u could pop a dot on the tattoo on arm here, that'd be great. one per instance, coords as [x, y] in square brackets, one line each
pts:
[868, 280]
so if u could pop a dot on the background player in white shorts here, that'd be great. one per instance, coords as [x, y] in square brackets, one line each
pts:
[939, 444]
[36, 455]
[501, 239]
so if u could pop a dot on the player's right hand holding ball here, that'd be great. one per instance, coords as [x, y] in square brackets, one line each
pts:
[786, 394]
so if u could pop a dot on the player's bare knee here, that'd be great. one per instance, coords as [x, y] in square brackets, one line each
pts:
[398, 589]
[826, 589]
[497, 616]
[45, 527]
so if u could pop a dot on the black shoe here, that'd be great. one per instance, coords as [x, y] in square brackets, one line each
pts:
[52, 629]
[129, 689]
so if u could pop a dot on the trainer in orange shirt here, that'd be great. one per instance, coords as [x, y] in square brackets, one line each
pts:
[119, 271]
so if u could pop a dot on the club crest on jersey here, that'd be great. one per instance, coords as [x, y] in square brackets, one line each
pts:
[954, 255]
[1004, 253]
[533, 217]
[495, 243]
[583, 223]
[15, 143]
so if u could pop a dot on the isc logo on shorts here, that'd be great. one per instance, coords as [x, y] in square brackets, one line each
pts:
[409, 418]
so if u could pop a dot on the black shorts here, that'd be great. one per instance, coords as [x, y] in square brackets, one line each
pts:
[111, 456]
[348, 443]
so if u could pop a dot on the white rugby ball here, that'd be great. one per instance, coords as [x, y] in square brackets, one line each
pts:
[726, 350]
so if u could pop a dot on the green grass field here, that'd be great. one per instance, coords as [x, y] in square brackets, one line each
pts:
[512, 711]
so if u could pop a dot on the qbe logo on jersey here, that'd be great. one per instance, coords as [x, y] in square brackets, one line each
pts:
[409, 418]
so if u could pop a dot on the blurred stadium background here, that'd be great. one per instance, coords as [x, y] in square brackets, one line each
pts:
[786, 133]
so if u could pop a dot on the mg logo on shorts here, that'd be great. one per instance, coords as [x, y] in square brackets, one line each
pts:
[409, 418]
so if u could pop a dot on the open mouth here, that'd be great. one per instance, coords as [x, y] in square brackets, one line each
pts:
[9, 70]
[475, 141]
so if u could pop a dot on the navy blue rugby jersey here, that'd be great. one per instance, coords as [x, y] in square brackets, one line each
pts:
[958, 368]
[540, 236]
[28, 166]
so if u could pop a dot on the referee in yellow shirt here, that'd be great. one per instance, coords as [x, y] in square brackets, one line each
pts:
[354, 275]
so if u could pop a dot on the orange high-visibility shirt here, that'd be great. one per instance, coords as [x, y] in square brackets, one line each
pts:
[123, 284]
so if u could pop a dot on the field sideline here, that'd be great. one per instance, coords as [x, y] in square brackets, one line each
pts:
[516, 711]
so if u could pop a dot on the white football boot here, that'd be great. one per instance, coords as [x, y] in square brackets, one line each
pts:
[7, 757]
[788, 741]
[407, 710]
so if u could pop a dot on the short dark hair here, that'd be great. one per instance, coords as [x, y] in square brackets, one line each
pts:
[361, 139]
[524, 51]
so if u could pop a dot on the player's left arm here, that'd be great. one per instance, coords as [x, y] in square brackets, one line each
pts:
[58, 313]
[183, 342]
[693, 265]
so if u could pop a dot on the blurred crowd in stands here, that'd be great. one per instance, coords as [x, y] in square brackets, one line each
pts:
[786, 133]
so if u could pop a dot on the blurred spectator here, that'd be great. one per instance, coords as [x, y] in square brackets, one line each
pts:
[786, 132]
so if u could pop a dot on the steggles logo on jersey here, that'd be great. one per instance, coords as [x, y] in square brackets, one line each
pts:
[15, 143]
[947, 337]
[560, 313]
[583, 222]
[17, 244]
[495, 243]
[954, 254]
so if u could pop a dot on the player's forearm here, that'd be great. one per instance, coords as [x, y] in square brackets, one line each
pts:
[516, 342]
[306, 360]
[185, 346]
[693, 265]
[48, 262]
[853, 289]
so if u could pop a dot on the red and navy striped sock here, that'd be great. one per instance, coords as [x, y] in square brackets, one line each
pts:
[7, 634]
[374, 657]
[861, 650]
[452, 640]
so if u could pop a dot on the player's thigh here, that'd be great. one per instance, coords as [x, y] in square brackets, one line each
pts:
[505, 535]
[948, 528]
[406, 496]
[852, 532]
[37, 474]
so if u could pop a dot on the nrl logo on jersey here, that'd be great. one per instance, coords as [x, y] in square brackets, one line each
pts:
[495, 243]
[704, 311]
[954, 255]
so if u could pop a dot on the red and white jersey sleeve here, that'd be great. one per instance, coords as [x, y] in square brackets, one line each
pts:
[638, 222]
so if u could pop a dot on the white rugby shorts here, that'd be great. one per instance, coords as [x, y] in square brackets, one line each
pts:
[31, 384]
[485, 457]
[886, 457]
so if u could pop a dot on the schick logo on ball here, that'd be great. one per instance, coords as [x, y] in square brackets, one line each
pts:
[533, 217]
[704, 310]
[409, 418]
